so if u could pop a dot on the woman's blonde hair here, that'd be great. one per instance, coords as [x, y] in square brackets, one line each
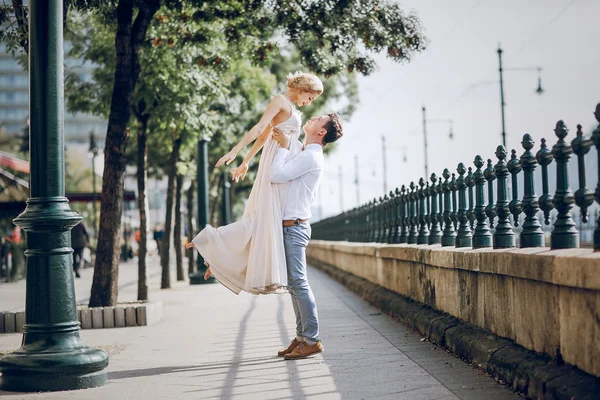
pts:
[305, 82]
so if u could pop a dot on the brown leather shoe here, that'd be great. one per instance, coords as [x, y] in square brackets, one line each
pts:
[290, 348]
[304, 350]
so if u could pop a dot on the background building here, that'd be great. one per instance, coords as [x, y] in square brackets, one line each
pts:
[14, 97]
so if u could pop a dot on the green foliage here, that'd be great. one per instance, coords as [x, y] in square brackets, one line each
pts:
[14, 22]
[332, 35]
[91, 37]
[189, 85]
[14, 32]
[209, 68]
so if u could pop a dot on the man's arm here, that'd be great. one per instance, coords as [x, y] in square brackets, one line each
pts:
[282, 172]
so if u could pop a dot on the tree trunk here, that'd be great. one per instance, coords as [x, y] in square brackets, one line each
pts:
[165, 251]
[128, 42]
[178, 231]
[143, 207]
[190, 222]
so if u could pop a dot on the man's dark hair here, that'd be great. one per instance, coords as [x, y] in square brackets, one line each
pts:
[334, 129]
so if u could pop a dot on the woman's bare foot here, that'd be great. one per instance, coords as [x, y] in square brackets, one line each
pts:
[207, 274]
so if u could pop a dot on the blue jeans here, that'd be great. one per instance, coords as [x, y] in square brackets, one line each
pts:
[295, 240]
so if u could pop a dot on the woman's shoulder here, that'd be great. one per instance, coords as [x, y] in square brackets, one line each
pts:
[279, 99]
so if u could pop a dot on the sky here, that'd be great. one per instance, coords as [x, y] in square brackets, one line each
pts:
[456, 78]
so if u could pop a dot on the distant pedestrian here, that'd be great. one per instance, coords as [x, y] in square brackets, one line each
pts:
[126, 249]
[79, 241]
[158, 237]
[16, 243]
[4, 273]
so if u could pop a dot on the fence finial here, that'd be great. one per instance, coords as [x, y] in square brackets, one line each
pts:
[482, 236]
[470, 184]
[423, 237]
[490, 176]
[515, 206]
[463, 237]
[596, 140]
[584, 197]
[449, 235]
[435, 236]
[565, 234]
[413, 230]
[532, 234]
[404, 215]
[544, 158]
[397, 213]
[385, 220]
[504, 237]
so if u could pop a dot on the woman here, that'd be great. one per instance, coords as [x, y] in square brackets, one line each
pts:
[249, 254]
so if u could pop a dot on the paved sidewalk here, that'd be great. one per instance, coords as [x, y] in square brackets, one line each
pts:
[212, 344]
[12, 294]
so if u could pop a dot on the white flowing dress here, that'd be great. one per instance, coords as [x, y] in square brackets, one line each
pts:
[249, 254]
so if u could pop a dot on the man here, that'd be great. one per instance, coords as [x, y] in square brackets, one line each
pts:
[304, 171]
[158, 237]
[79, 241]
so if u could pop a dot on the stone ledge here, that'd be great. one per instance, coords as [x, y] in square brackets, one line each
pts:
[533, 374]
[119, 316]
[578, 268]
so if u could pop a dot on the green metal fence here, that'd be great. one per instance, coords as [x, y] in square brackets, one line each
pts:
[454, 210]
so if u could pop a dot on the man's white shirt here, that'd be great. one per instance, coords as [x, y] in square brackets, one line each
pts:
[304, 171]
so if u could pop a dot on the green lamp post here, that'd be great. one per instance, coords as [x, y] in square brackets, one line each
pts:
[202, 178]
[52, 356]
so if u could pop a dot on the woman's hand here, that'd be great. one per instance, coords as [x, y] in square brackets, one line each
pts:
[227, 158]
[281, 138]
[189, 245]
[239, 172]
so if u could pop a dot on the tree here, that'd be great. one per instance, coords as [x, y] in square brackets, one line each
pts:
[332, 37]
[142, 177]
[169, 88]
[328, 47]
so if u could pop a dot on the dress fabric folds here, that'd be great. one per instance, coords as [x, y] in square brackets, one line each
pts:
[249, 254]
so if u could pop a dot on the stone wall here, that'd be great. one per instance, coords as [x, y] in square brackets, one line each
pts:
[545, 300]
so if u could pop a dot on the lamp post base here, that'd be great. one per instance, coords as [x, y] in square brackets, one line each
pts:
[66, 365]
[51, 382]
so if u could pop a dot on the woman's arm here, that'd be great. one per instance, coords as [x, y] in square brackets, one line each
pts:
[274, 107]
[240, 172]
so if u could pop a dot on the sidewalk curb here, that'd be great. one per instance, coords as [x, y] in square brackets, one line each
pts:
[532, 374]
[130, 314]
[120, 316]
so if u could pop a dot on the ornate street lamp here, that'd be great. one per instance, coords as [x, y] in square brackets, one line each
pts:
[203, 183]
[425, 121]
[539, 89]
[52, 355]
[501, 70]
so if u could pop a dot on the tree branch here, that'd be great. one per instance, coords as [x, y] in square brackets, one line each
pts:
[138, 32]
[21, 16]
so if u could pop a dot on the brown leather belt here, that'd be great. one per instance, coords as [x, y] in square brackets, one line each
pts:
[292, 222]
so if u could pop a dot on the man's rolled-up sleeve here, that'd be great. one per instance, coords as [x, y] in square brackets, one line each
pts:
[282, 171]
